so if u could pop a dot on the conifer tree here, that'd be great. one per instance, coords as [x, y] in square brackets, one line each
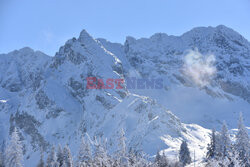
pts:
[68, 160]
[14, 151]
[211, 149]
[224, 142]
[122, 152]
[161, 160]
[60, 156]
[2, 154]
[184, 154]
[2, 148]
[85, 154]
[52, 159]
[41, 162]
[101, 157]
[242, 144]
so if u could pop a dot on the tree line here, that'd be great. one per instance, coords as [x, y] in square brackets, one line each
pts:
[221, 152]
[225, 152]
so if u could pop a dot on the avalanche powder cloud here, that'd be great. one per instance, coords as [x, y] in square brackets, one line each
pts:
[199, 68]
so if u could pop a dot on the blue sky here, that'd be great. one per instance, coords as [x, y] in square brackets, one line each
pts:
[45, 25]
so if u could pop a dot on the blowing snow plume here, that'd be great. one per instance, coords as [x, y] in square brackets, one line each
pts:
[199, 68]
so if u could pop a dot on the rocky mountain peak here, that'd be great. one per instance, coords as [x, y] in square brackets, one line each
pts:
[86, 38]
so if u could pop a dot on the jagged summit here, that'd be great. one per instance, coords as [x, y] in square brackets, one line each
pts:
[159, 36]
[211, 30]
[202, 31]
[25, 50]
[86, 38]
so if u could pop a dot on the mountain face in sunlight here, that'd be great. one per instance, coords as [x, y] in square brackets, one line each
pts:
[206, 79]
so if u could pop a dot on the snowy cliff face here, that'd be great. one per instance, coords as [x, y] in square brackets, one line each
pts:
[47, 100]
[58, 107]
[22, 68]
[205, 71]
[163, 55]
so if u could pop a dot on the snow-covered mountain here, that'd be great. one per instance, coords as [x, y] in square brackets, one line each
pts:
[206, 72]
[205, 76]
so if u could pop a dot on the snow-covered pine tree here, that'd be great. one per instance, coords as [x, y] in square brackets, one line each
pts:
[64, 164]
[14, 151]
[122, 152]
[2, 154]
[1, 159]
[214, 163]
[233, 158]
[85, 154]
[211, 149]
[101, 157]
[132, 157]
[184, 154]
[157, 157]
[223, 162]
[52, 159]
[242, 144]
[60, 155]
[161, 160]
[41, 162]
[142, 160]
[224, 142]
[68, 160]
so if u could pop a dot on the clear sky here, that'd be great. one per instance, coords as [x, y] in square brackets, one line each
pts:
[45, 25]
